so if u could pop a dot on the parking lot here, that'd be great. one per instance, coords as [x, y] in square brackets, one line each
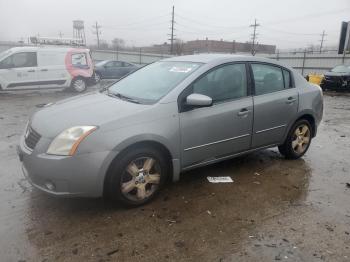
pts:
[276, 209]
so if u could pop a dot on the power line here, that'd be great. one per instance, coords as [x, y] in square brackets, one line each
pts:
[322, 40]
[308, 16]
[97, 32]
[254, 36]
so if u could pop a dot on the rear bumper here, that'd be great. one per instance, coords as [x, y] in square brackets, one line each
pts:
[80, 175]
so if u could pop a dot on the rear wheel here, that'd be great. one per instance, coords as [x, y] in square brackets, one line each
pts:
[136, 177]
[78, 85]
[298, 140]
[97, 77]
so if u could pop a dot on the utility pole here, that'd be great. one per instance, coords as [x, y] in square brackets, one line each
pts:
[60, 34]
[322, 40]
[97, 32]
[172, 32]
[254, 36]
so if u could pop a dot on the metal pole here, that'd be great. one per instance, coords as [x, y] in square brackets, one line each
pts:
[322, 40]
[304, 58]
[172, 33]
[140, 57]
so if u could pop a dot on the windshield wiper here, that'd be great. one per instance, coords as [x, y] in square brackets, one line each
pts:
[123, 97]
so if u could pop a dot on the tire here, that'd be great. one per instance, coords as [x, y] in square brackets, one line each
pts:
[79, 85]
[295, 145]
[122, 187]
[97, 77]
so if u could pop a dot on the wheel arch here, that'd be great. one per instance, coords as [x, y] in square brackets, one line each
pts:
[143, 143]
[309, 116]
[311, 119]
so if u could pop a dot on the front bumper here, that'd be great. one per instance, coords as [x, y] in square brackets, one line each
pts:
[335, 84]
[80, 175]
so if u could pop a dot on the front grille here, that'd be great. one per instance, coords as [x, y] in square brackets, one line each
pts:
[333, 78]
[31, 138]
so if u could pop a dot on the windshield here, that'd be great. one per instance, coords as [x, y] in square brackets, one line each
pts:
[341, 69]
[101, 63]
[5, 53]
[154, 81]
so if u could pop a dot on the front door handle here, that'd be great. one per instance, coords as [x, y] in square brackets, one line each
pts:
[44, 70]
[31, 71]
[243, 112]
[290, 100]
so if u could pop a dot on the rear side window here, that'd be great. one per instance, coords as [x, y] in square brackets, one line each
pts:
[18, 60]
[79, 60]
[287, 79]
[267, 78]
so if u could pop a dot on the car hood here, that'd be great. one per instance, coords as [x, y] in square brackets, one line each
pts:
[89, 109]
[336, 74]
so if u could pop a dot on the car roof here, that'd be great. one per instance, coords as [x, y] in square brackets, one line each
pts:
[224, 58]
[46, 48]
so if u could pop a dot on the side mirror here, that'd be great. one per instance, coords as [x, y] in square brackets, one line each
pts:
[198, 100]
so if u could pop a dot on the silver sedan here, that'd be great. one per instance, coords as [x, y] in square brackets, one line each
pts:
[170, 116]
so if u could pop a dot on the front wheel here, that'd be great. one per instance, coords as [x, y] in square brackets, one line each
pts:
[298, 140]
[78, 85]
[137, 177]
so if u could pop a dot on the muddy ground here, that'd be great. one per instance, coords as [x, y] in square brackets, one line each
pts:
[275, 210]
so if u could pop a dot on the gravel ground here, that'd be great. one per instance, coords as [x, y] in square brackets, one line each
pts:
[276, 209]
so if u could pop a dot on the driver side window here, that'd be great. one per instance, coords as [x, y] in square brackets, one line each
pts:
[18, 60]
[224, 83]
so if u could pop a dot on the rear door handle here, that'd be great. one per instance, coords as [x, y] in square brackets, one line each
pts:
[44, 70]
[31, 71]
[243, 112]
[290, 100]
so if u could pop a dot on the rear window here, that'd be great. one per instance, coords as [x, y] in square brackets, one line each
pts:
[79, 60]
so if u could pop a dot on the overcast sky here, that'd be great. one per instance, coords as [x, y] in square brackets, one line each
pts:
[288, 24]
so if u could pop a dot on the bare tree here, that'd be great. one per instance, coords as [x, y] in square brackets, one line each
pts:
[178, 47]
[118, 43]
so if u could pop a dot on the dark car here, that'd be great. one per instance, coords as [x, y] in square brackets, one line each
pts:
[337, 79]
[113, 69]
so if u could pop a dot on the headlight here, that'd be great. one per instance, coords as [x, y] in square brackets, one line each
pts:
[66, 143]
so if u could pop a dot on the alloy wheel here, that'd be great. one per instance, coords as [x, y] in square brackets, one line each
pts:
[301, 139]
[97, 78]
[141, 178]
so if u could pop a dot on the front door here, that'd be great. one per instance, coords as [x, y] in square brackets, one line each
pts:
[275, 104]
[223, 129]
[19, 71]
[114, 69]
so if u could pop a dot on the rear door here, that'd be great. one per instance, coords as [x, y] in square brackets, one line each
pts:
[275, 103]
[209, 133]
[19, 71]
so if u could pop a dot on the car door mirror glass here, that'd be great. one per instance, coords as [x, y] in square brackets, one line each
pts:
[198, 100]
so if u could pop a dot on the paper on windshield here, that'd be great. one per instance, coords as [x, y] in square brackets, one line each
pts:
[180, 69]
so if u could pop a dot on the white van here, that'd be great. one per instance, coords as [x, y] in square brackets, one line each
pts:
[39, 67]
